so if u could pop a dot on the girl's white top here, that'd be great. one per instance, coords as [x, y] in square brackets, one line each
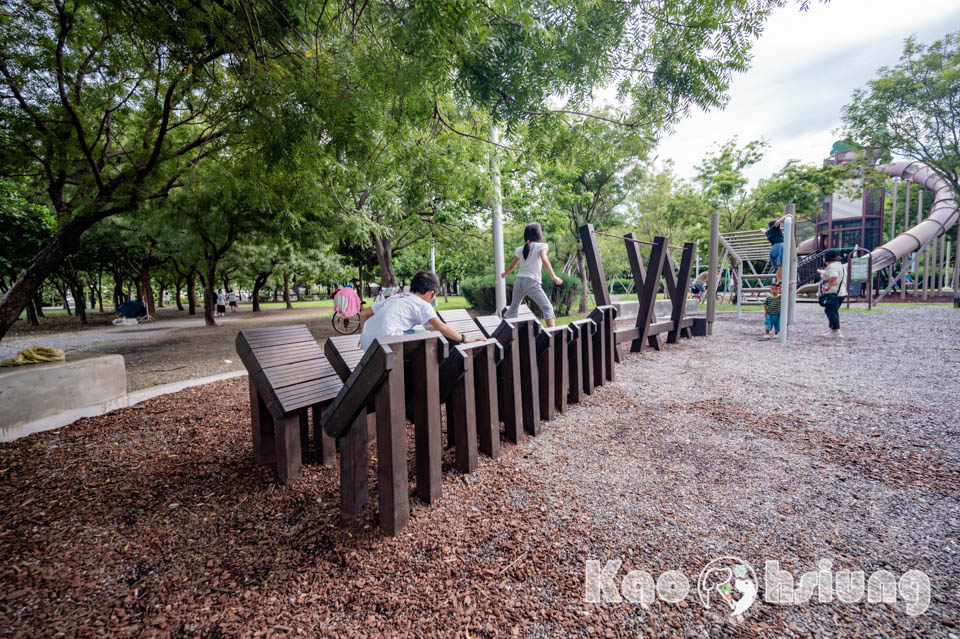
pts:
[530, 267]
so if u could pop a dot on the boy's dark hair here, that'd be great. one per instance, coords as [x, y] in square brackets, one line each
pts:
[771, 223]
[424, 282]
[531, 233]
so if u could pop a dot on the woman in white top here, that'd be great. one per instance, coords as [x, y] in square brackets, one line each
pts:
[530, 257]
[833, 283]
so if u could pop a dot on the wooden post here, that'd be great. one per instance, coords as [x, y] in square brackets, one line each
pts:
[304, 415]
[575, 363]
[391, 416]
[591, 251]
[529, 380]
[488, 414]
[906, 264]
[511, 411]
[325, 446]
[462, 412]
[648, 296]
[287, 445]
[546, 343]
[610, 341]
[586, 353]
[926, 272]
[562, 337]
[264, 446]
[677, 288]
[599, 354]
[426, 419]
[354, 489]
[712, 271]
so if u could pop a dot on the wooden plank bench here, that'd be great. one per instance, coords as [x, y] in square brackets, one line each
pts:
[289, 376]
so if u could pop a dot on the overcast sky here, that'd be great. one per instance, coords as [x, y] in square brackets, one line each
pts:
[805, 67]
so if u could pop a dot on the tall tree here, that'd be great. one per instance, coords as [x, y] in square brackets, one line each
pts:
[912, 109]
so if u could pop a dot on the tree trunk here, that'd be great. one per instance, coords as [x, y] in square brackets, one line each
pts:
[192, 293]
[384, 249]
[178, 285]
[258, 283]
[286, 290]
[93, 294]
[226, 283]
[298, 290]
[79, 301]
[38, 302]
[444, 287]
[209, 295]
[100, 290]
[161, 289]
[582, 272]
[148, 300]
[65, 242]
[32, 313]
[62, 290]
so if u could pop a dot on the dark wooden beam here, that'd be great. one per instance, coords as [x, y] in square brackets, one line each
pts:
[679, 296]
[358, 389]
[591, 250]
[648, 295]
[392, 448]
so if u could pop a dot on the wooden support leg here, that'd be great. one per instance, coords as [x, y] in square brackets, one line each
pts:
[511, 408]
[655, 342]
[575, 367]
[304, 416]
[488, 414]
[529, 380]
[586, 349]
[426, 419]
[353, 468]
[264, 452]
[325, 446]
[392, 451]
[610, 343]
[561, 373]
[547, 371]
[599, 353]
[462, 418]
[288, 448]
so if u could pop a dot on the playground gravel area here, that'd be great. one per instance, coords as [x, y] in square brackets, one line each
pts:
[154, 521]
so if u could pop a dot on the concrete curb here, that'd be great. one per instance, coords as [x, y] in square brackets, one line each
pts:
[100, 406]
[165, 389]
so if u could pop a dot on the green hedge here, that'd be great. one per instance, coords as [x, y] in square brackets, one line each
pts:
[480, 291]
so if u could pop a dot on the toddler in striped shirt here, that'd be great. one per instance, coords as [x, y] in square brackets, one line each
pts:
[771, 312]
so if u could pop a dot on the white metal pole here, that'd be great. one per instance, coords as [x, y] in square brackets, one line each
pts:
[498, 265]
[712, 270]
[789, 265]
[739, 287]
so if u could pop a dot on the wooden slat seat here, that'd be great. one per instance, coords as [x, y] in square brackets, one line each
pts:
[288, 374]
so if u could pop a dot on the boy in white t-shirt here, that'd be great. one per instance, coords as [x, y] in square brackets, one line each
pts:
[399, 313]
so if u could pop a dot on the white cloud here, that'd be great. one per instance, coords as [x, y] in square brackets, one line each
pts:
[805, 67]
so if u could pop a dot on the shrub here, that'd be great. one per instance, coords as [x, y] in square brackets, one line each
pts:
[480, 291]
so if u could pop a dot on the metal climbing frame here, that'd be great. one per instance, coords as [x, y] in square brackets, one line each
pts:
[748, 247]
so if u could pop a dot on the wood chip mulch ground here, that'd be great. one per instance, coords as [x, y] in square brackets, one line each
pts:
[153, 521]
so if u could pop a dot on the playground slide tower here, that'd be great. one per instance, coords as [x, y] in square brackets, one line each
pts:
[943, 215]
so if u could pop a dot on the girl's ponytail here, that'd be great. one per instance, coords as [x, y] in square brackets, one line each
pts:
[531, 233]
